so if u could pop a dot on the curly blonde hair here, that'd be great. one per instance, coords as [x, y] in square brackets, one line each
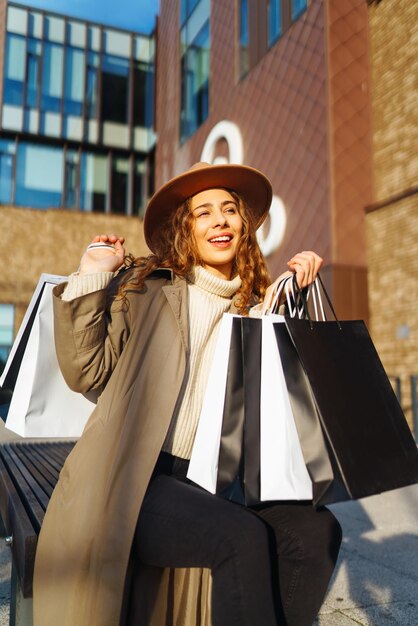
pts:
[178, 251]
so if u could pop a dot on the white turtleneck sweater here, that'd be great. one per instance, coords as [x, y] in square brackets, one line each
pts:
[209, 298]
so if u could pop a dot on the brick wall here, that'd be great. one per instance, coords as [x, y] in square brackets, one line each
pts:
[392, 224]
[392, 234]
[51, 241]
[394, 46]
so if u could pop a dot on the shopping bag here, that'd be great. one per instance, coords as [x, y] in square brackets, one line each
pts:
[42, 404]
[369, 441]
[247, 447]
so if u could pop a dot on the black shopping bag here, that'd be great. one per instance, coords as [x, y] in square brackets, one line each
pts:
[370, 443]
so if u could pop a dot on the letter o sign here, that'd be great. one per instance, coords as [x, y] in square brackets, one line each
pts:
[269, 237]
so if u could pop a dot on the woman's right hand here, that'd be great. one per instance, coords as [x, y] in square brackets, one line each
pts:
[107, 258]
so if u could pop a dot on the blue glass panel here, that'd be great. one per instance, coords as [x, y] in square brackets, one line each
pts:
[32, 83]
[71, 175]
[6, 176]
[52, 73]
[115, 81]
[93, 182]
[243, 23]
[274, 20]
[91, 92]
[195, 83]
[143, 95]
[74, 81]
[298, 6]
[39, 176]
[14, 75]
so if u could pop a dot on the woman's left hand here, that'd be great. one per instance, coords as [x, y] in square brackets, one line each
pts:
[305, 265]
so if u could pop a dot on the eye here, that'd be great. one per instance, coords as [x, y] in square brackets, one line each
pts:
[202, 214]
[231, 208]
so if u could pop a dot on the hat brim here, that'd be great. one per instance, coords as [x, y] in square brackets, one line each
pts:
[251, 184]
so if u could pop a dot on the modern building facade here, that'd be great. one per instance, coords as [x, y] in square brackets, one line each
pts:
[76, 102]
[76, 145]
[281, 85]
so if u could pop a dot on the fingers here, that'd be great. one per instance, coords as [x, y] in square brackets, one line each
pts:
[271, 291]
[306, 266]
[105, 253]
[108, 239]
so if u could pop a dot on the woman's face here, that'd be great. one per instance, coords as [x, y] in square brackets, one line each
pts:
[217, 228]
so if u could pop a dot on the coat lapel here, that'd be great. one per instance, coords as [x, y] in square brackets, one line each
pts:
[177, 298]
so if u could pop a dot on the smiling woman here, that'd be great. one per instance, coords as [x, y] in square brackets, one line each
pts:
[124, 513]
[217, 229]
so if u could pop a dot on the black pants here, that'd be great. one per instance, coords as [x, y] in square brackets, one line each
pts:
[270, 565]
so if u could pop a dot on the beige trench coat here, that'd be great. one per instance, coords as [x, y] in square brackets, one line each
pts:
[138, 356]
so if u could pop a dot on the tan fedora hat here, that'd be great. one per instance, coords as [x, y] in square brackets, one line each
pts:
[249, 183]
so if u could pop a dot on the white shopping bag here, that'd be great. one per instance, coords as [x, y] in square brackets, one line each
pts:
[203, 467]
[283, 473]
[42, 404]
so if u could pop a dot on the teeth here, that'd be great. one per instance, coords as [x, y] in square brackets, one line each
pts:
[221, 239]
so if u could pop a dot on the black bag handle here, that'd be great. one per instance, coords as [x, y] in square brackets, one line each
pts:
[301, 298]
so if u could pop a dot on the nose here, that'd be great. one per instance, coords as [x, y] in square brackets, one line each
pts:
[220, 218]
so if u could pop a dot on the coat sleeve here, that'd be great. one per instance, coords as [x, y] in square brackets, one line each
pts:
[90, 334]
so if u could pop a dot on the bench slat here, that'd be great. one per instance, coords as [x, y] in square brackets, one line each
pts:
[19, 526]
[27, 487]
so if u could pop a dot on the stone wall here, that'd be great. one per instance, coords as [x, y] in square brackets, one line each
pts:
[392, 234]
[51, 241]
[392, 222]
[394, 47]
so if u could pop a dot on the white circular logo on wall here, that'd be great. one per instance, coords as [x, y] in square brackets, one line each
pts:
[269, 236]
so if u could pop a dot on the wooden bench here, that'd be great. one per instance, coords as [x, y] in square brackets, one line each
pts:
[28, 474]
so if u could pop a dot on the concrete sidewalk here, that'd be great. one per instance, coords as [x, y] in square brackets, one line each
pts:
[376, 579]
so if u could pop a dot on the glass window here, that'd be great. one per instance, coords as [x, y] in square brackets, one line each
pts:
[144, 48]
[14, 69]
[17, 20]
[39, 176]
[195, 83]
[32, 72]
[274, 20]
[7, 314]
[120, 185]
[71, 178]
[143, 87]
[31, 120]
[244, 38]
[7, 151]
[74, 81]
[12, 117]
[187, 7]
[73, 127]
[54, 28]
[76, 34]
[91, 92]
[298, 7]
[139, 188]
[93, 182]
[117, 43]
[52, 74]
[93, 38]
[35, 25]
[115, 81]
[50, 124]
